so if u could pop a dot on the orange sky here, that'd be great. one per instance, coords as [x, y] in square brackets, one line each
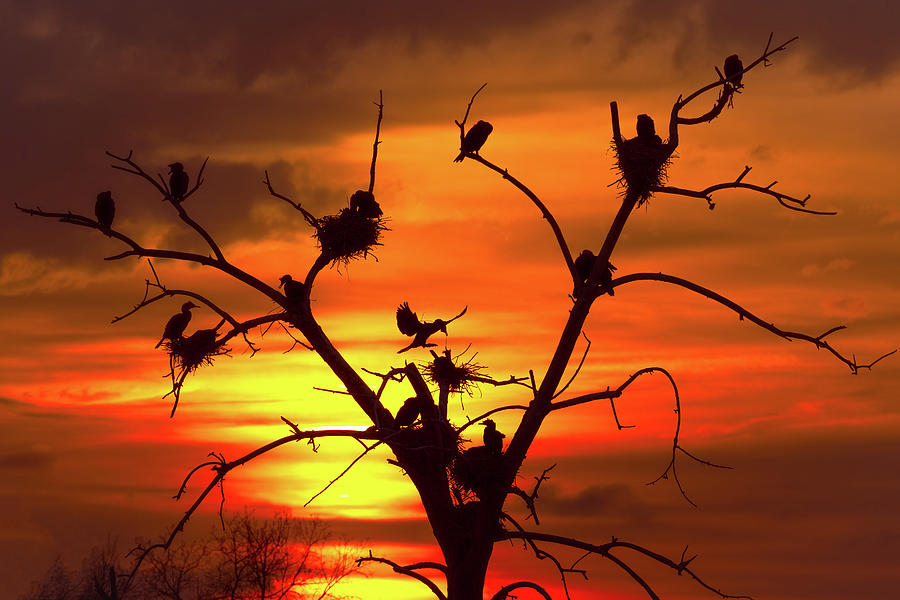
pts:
[88, 449]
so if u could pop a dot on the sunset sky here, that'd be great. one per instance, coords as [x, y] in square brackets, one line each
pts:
[88, 450]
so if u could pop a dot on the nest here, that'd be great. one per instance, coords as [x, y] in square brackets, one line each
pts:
[455, 378]
[348, 235]
[190, 353]
[643, 164]
[475, 470]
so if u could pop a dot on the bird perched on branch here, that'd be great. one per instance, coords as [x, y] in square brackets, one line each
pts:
[408, 324]
[584, 264]
[408, 413]
[734, 71]
[105, 210]
[474, 139]
[363, 203]
[295, 291]
[177, 324]
[493, 439]
[646, 130]
[178, 181]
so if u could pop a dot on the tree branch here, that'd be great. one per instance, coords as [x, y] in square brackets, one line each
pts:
[788, 202]
[567, 255]
[503, 592]
[380, 105]
[409, 571]
[743, 313]
[604, 551]
[310, 218]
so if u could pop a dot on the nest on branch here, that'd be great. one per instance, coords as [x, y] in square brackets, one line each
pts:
[348, 235]
[476, 471]
[454, 377]
[642, 163]
[190, 353]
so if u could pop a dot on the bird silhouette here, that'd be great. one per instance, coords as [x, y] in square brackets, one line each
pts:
[408, 413]
[105, 210]
[493, 439]
[646, 130]
[295, 291]
[177, 324]
[178, 181]
[363, 203]
[474, 139]
[734, 71]
[408, 324]
[203, 338]
[584, 264]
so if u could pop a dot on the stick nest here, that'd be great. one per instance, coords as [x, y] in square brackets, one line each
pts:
[643, 163]
[456, 378]
[475, 470]
[348, 235]
[190, 353]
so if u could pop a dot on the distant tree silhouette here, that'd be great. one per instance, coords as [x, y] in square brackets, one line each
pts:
[463, 488]
[249, 558]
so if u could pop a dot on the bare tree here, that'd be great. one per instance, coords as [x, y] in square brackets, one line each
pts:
[249, 558]
[464, 489]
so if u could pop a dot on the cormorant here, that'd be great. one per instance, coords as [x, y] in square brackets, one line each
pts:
[408, 413]
[105, 209]
[408, 324]
[584, 264]
[474, 139]
[177, 324]
[493, 439]
[646, 130]
[363, 203]
[203, 338]
[734, 71]
[294, 290]
[178, 181]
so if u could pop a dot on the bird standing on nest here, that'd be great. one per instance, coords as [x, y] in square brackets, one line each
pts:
[734, 71]
[474, 139]
[295, 291]
[178, 181]
[177, 324]
[363, 203]
[105, 210]
[646, 130]
[493, 439]
[408, 324]
[408, 413]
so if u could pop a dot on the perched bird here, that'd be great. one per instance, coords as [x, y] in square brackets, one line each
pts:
[734, 71]
[177, 324]
[408, 324]
[606, 278]
[646, 130]
[178, 181]
[408, 413]
[294, 290]
[584, 264]
[493, 439]
[474, 139]
[363, 203]
[105, 209]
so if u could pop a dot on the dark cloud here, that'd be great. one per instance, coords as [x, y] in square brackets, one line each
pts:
[32, 459]
[855, 44]
[593, 501]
